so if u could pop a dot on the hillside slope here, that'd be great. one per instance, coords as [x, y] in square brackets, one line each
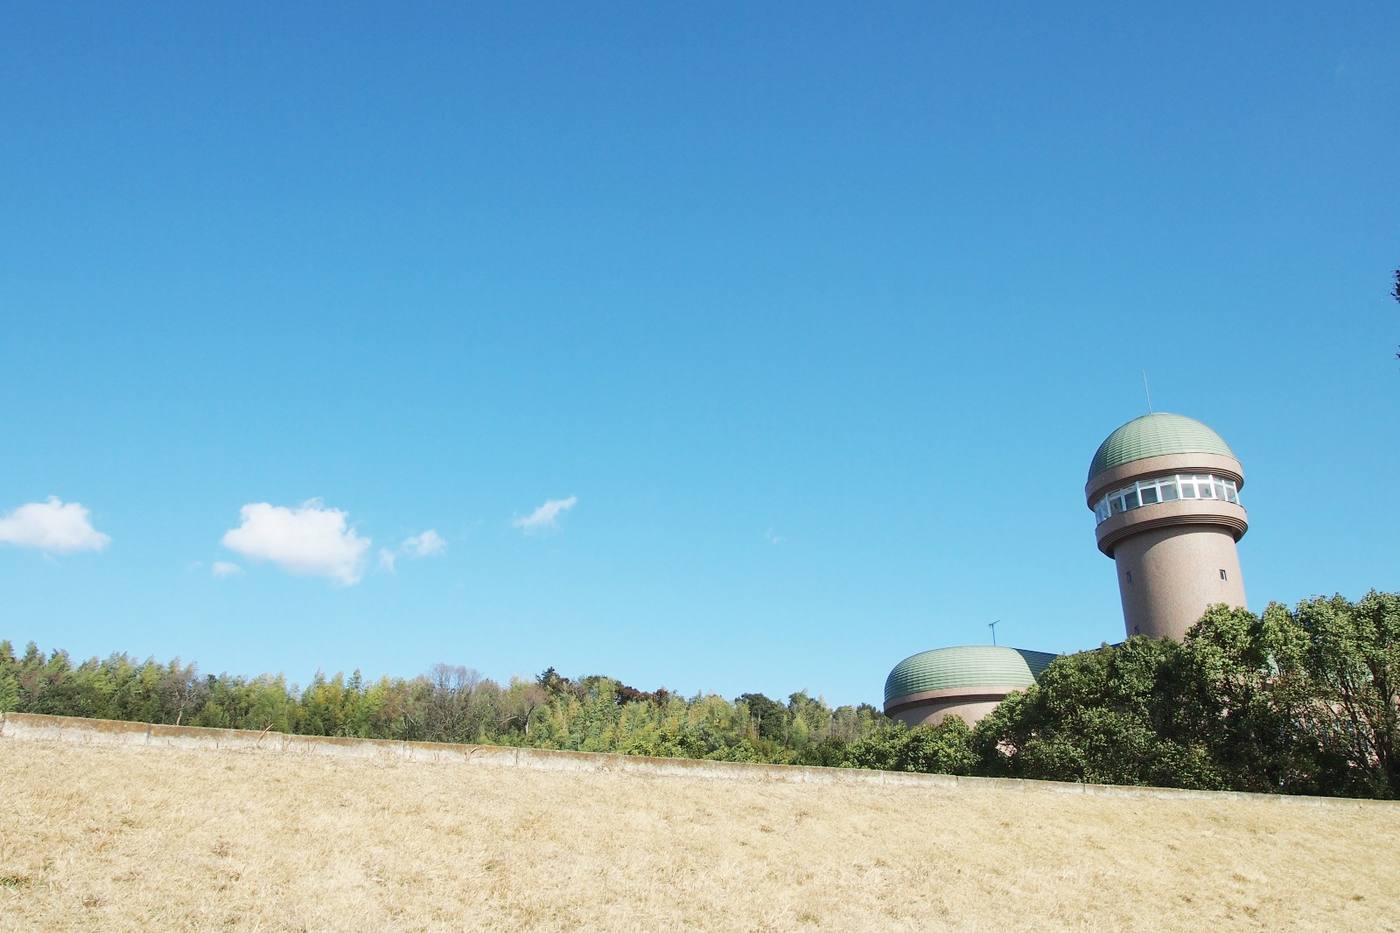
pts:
[114, 837]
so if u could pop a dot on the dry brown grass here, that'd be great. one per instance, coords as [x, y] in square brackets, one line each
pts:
[113, 838]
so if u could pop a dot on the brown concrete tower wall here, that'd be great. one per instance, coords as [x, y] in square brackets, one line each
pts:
[1167, 576]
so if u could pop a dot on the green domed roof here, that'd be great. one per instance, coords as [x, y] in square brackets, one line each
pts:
[965, 666]
[1155, 435]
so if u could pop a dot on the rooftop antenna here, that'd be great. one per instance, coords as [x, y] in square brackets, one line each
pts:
[993, 627]
[1147, 390]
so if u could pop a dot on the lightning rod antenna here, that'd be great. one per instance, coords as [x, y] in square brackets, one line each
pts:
[1147, 391]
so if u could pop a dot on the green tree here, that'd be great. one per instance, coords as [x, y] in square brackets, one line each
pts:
[1245, 696]
[942, 749]
[1352, 661]
[9, 678]
[1109, 716]
[770, 717]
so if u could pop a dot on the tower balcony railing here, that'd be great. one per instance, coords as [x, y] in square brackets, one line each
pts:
[1147, 492]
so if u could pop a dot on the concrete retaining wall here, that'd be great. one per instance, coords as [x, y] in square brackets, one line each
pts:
[73, 730]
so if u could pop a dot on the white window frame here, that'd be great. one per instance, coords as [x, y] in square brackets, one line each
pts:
[1177, 482]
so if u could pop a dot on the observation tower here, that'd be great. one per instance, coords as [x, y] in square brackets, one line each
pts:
[1164, 490]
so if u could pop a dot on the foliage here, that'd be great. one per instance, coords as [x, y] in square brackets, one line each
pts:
[1110, 716]
[1302, 702]
[1351, 659]
[449, 703]
[942, 749]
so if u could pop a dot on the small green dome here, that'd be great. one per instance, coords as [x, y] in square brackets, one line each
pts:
[965, 666]
[1156, 435]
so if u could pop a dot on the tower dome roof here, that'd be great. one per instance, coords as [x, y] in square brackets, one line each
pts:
[1156, 435]
[965, 666]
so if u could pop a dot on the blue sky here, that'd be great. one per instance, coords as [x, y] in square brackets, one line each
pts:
[817, 313]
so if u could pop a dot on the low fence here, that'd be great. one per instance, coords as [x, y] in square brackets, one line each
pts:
[74, 730]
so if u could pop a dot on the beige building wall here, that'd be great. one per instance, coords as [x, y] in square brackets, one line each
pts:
[933, 713]
[1168, 576]
[970, 703]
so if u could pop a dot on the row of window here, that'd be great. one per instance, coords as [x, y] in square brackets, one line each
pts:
[1165, 489]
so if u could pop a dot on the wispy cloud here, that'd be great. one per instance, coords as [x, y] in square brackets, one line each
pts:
[309, 539]
[772, 537]
[53, 526]
[427, 544]
[546, 516]
[224, 569]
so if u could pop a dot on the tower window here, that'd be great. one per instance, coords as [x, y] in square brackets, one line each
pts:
[1223, 575]
[1130, 575]
[1160, 489]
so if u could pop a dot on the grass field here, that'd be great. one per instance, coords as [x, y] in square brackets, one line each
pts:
[113, 838]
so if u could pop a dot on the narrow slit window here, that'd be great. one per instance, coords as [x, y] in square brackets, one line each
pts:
[1223, 575]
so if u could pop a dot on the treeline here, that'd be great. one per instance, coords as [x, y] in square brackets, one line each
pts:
[448, 704]
[1301, 701]
[1298, 702]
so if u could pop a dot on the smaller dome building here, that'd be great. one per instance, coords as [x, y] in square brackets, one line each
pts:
[966, 681]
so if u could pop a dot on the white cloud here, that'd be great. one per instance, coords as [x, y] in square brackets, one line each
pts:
[427, 544]
[546, 516]
[773, 537]
[224, 569]
[309, 539]
[54, 527]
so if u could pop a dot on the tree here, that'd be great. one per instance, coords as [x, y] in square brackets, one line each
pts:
[1352, 662]
[554, 682]
[1242, 699]
[451, 690]
[769, 716]
[813, 714]
[1294, 702]
[1109, 716]
[520, 703]
[942, 749]
[9, 678]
